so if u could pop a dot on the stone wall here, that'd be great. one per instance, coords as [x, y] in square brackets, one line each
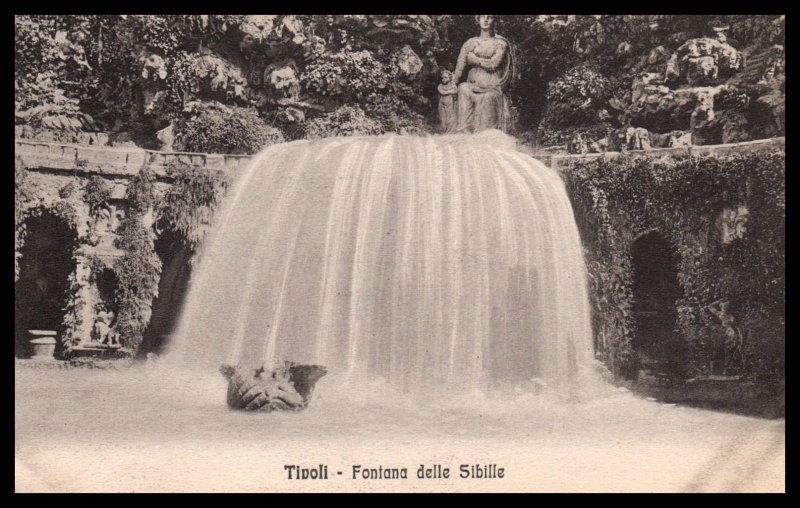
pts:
[107, 161]
[760, 145]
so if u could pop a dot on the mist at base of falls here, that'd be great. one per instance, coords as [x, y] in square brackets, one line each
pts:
[165, 430]
[423, 262]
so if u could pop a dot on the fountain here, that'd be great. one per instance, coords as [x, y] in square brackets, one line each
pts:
[445, 261]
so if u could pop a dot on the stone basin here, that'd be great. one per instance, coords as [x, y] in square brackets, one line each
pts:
[43, 343]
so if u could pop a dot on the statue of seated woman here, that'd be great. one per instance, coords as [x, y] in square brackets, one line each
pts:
[481, 102]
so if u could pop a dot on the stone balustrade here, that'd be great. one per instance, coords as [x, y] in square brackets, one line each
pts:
[128, 161]
[108, 161]
[759, 145]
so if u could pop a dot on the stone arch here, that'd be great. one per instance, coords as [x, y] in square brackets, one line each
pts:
[660, 349]
[106, 281]
[643, 233]
[46, 262]
[175, 257]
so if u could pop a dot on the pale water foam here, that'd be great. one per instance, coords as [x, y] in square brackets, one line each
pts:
[423, 262]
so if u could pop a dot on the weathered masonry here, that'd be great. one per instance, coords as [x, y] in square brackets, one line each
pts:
[67, 286]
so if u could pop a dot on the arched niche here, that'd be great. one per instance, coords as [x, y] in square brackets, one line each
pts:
[41, 292]
[660, 349]
[176, 268]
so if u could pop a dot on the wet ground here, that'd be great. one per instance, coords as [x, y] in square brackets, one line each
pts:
[140, 430]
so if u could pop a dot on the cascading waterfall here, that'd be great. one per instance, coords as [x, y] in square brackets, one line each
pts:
[425, 261]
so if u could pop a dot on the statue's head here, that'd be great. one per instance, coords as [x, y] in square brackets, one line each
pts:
[485, 21]
[446, 76]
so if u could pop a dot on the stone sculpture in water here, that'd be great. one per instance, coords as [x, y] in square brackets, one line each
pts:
[288, 388]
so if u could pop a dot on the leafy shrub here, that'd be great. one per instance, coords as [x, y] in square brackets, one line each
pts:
[230, 130]
[141, 191]
[348, 74]
[96, 193]
[345, 121]
[188, 205]
[394, 114]
[576, 97]
[138, 272]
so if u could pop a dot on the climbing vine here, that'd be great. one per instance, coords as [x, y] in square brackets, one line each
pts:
[617, 198]
[96, 193]
[141, 191]
[138, 271]
[25, 195]
[189, 203]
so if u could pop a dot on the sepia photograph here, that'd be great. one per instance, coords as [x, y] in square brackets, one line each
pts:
[399, 253]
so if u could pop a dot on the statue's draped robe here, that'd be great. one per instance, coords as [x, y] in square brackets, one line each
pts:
[481, 103]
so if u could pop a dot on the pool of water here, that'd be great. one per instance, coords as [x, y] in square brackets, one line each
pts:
[147, 430]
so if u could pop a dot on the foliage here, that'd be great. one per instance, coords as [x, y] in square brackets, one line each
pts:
[96, 193]
[26, 192]
[188, 205]
[383, 93]
[576, 97]
[138, 271]
[345, 121]
[229, 130]
[680, 196]
[141, 191]
[25, 196]
[67, 190]
[394, 114]
[353, 74]
[73, 317]
[126, 72]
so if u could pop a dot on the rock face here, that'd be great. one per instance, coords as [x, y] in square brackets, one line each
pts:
[288, 388]
[703, 60]
[407, 62]
[687, 89]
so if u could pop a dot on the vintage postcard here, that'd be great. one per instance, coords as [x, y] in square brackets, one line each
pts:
[399, 253]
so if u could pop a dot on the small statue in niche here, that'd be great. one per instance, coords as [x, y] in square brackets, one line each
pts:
[732, 223]
[734, 337]
[637, 138]
[118, 215]
[447, 102]
[104, 333]
[102, 226]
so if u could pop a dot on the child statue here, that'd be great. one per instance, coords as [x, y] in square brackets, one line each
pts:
[447, 102]
[104, 332]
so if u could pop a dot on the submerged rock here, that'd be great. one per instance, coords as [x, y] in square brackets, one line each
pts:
[288, 388]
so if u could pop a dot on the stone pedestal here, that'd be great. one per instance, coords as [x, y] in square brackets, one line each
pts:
[43, 343]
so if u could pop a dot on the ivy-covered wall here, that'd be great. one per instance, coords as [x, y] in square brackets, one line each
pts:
[182, 202]
[724, 216]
